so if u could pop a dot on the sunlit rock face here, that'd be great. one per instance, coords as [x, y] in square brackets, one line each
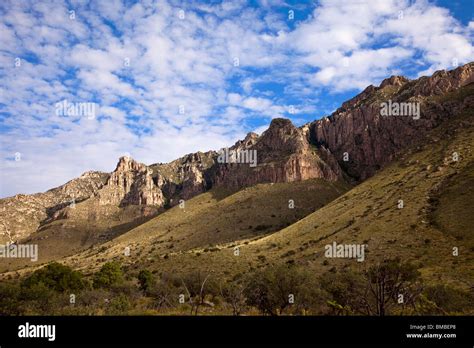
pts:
[131, 183]
[363, 140]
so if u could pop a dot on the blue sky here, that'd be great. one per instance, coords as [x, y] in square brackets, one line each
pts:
[169, 78]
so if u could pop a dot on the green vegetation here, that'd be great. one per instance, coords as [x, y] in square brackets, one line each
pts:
[281, 289]
[56, 277]
[110, 274]
[450, 300]
[273, 290]
[145, 279]
[385, 288]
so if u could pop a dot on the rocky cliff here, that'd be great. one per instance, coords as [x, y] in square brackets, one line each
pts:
[363, 141]
[283, 153]
[131, 183]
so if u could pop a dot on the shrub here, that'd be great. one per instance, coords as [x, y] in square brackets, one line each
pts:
[57, 277]
[198, 286]
[386, 281]
[449, 299]
[346, 291]
[270, 290]
[9, 301]
[164, 294]
[37, 299]
[374, 291]
[119, 305]
[109, 274]
[233, 295]
[146, 280]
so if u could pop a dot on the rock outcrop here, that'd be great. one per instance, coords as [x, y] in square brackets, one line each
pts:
[363, 141]
[131, 183]
[185, 177]
[283, 154]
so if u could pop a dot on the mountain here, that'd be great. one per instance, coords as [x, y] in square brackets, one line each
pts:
[314, 163]
[372, 140]
[21, 215]
[436, 188]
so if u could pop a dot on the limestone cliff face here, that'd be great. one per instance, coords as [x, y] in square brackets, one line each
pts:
[370, 140]
[185, 177]
[131, 183]
[284, 154]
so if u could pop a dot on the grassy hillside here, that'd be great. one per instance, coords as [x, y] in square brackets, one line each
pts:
[210, 219]
[218, 217]
[87, 224]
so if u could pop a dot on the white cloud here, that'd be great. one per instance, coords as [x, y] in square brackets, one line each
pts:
[168, 86]
[355, 44]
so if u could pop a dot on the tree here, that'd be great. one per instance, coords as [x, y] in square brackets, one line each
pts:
[197, 286]
[448, 300]
[378, 290]
[163, 294]
[309, 298]
[276, 289]
[119, 305]
[233, 294]
[10, 299]
[346, 290]
[389, 280]
[109, 274]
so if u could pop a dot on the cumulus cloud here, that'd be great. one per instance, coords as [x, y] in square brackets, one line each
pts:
[351, 45]
[172, 78]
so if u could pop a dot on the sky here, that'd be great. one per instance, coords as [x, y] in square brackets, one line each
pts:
[165, 78]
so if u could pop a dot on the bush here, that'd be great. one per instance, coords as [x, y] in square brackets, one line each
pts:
[374, 291]
[449, 299]
[9, 299]
[146, 280]
[164, 294]
[386, 281]
[37, 299]
[234, 297]
[109, 274]
[119, 305]
[346, 291]
[198, 286]
[56, 277]
[278, 289]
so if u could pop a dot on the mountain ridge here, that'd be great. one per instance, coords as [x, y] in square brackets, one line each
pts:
[351, 145]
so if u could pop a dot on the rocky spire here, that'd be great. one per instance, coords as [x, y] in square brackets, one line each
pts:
[131, 183]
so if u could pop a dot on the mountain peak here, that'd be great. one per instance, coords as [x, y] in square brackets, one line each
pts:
[394, 80]
[249, 140]
[250, 136]
[127, 163]
[281, 123]
[131, 183]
